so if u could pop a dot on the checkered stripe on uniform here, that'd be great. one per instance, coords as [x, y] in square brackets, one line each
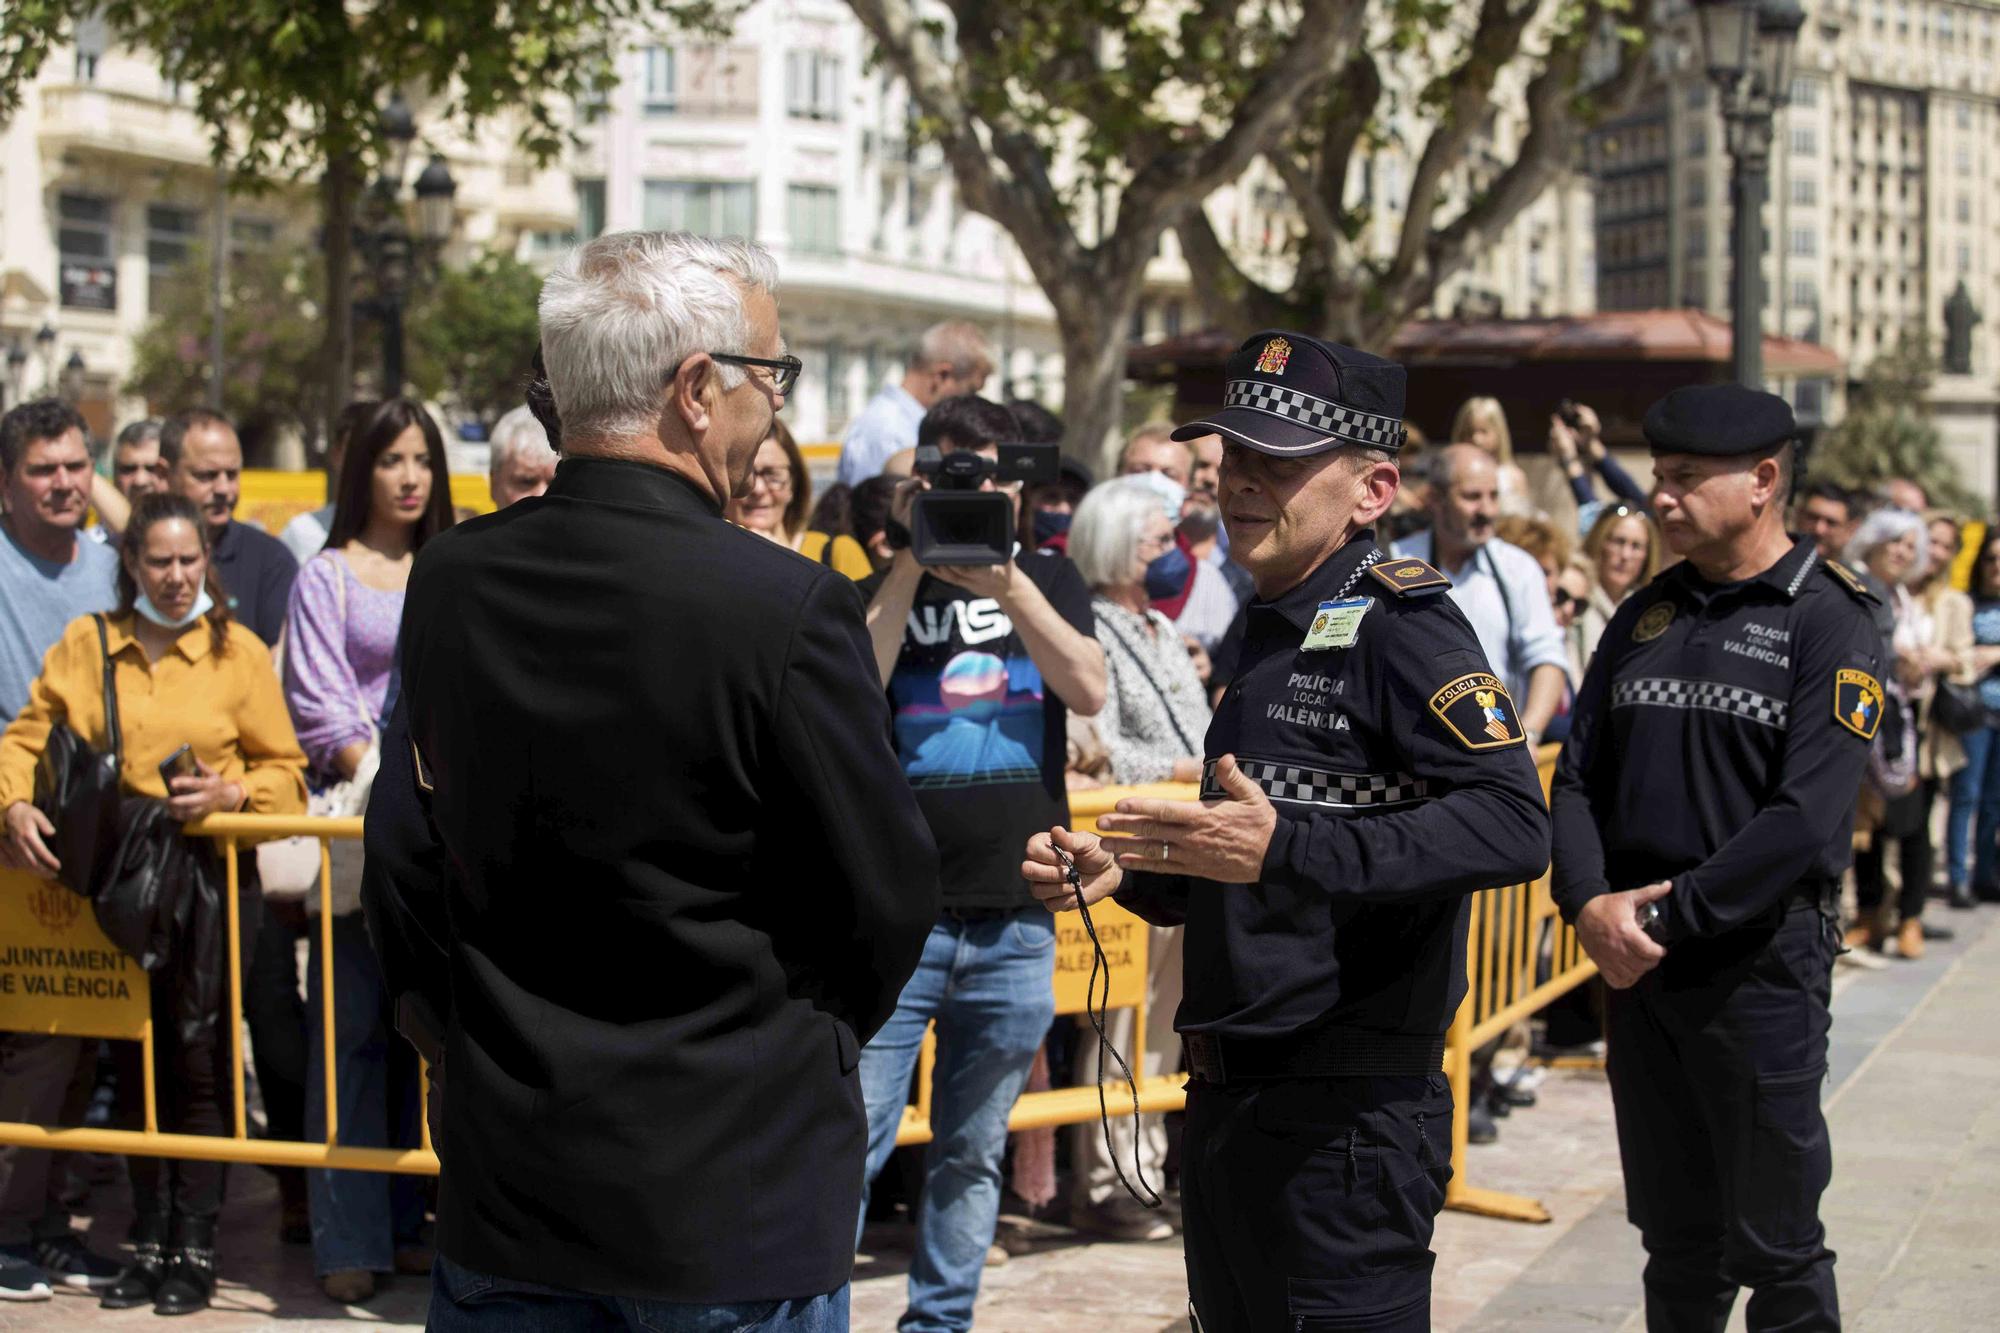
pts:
[1288, 782]
[1707, 695]
[1347, 423]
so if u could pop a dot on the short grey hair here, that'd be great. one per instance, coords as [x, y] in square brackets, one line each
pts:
[1885, 526]
[1104, 533]
[516, 434]
[622, 312]
[1442, 468]
[959, 344]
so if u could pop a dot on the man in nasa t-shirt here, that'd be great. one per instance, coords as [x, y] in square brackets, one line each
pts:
[989, 664]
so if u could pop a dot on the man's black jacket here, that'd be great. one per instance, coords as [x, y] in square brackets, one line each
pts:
[652, 873]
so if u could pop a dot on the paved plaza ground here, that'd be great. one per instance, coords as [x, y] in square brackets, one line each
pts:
[1914, 1104]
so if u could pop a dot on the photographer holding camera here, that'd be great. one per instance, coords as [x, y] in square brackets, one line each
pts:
[982, 663]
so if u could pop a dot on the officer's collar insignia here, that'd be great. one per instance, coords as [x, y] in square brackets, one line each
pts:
[1857, 702]
[1276, 356]
[1409, 578]
[1851, 581]
[1654, 623]
[1478, 712]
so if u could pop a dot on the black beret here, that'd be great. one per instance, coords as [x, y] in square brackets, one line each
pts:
[1719, 421]
[1293, 395]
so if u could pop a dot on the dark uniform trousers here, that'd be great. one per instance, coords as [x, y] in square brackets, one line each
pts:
[1309, 1203]
[1716, 1075]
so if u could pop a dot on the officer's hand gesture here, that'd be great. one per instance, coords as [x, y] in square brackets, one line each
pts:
[1223, 840]
[1608, 926]
[1047, 872]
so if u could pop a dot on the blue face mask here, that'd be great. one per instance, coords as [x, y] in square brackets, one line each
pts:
[203, 604]
[1050, 524]
[1167, 575]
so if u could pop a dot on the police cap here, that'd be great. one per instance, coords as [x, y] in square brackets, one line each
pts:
[1295, 396]
[1719, 421]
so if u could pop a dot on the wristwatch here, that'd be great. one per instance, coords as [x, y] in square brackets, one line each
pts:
[1654, 923]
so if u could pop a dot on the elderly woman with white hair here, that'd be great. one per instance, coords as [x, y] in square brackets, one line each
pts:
[1892, 544]
[1154, 718]
[523, 463]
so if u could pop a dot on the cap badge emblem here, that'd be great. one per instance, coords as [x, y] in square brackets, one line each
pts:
[1410, 572]
[1277, 354]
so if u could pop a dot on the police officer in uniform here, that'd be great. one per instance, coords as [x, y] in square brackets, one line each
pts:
[1365, 772]
[1703, 809]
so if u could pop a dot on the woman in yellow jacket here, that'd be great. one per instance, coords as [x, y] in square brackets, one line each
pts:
[185, 674]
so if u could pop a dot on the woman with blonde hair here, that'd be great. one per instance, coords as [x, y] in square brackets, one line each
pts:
[778, 504]
[1623, 548]
[1483, 424]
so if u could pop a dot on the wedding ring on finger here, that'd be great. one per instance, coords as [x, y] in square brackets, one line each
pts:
[1165, 851]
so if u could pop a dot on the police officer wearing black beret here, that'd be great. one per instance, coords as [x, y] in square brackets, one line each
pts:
[1703, 809]
[1366, 771]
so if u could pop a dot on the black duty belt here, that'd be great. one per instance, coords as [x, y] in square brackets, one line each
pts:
[1335, 1052]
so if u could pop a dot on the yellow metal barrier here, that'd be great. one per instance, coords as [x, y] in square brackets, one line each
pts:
[1520, 956]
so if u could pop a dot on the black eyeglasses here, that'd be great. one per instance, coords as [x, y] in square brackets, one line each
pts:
[785, 371]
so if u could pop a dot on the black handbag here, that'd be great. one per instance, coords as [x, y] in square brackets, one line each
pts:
[77, 789]
[1957, 707]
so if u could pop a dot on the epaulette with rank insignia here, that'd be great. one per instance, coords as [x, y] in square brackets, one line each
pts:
[1851, 581]
[1409, 577]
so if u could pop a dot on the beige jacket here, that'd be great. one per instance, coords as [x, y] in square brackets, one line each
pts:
[1941, 753]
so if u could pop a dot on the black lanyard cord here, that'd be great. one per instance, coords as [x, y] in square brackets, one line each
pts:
[1096, 1009]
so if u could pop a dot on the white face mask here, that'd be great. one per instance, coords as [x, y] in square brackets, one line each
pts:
[203, 604]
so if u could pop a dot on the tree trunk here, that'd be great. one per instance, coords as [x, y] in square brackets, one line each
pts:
[1093, 343]
[337, 208]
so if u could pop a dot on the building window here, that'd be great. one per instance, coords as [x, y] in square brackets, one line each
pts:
[660, 81]
[1697, 95]
[812, 85]
[89, 278]
[247, 234]
[1805, 141]
[1697, 140]
[170, 236]
[1805, 191]
[1964, 208]
[1697, 241]
[706, 208]
[1963, 158]
[1805, 92]
[716, 80]
[1962, 113]
[589, 209]
[836, 385]
[1137, 333]
[1697, 189]
[1170, 319]
[813, 218]
[1964, 257]
[90, 42]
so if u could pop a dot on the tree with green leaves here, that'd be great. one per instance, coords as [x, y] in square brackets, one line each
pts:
[473, 332]
[1888, 431]
[1088, 129]
[1425, 91]
[290, 88]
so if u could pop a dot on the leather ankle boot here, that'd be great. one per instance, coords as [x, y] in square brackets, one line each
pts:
[1910, 938]
[190, 1279]
[140, 1282]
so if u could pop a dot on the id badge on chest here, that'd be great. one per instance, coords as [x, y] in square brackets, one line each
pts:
[1337, 624]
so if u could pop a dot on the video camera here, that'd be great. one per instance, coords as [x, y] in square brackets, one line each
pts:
[956, 523]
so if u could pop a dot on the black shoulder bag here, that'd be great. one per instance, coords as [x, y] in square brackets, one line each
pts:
[77, 788]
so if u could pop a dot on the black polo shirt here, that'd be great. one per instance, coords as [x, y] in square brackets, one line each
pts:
[1718, 742]
[256, 571]
[1402, 784]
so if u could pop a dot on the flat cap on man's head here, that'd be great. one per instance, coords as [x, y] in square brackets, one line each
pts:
[1719, 421]
[1294, 396]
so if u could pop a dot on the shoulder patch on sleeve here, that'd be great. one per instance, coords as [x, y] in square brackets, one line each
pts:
[1857, 702]
[1478, 712]
[1409, 577]
[1851, 581]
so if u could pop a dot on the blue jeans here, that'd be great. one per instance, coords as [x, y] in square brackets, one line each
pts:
[360, 1218]
[988, 985]
[1975, 803]
[464, 1300]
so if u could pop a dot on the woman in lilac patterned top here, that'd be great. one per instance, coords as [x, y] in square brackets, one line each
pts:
[340, 652]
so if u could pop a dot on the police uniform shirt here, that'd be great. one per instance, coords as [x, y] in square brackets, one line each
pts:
[1718, 742]
[1402, 784]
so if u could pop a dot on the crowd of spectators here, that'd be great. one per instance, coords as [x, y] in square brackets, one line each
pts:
[1093, 659]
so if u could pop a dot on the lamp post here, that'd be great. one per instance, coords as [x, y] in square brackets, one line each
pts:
[72, 377]
[1748, 46]
[17, 371]
[388, 244]
[45, 348]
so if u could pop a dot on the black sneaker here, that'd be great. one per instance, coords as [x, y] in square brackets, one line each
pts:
[21, 1278]
[70, 1264]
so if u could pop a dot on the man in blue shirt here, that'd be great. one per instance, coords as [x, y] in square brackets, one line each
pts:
[48, 577]
[205, 463]
[951, 359]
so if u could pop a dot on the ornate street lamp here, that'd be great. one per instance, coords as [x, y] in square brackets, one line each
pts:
[45, 348]
[17, 371]
[1748, 47]
[72, 377]
[388, 244]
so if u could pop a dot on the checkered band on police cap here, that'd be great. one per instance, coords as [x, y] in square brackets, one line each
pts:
[1294, 396]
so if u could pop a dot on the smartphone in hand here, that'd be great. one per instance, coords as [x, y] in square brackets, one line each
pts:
[179, 764]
